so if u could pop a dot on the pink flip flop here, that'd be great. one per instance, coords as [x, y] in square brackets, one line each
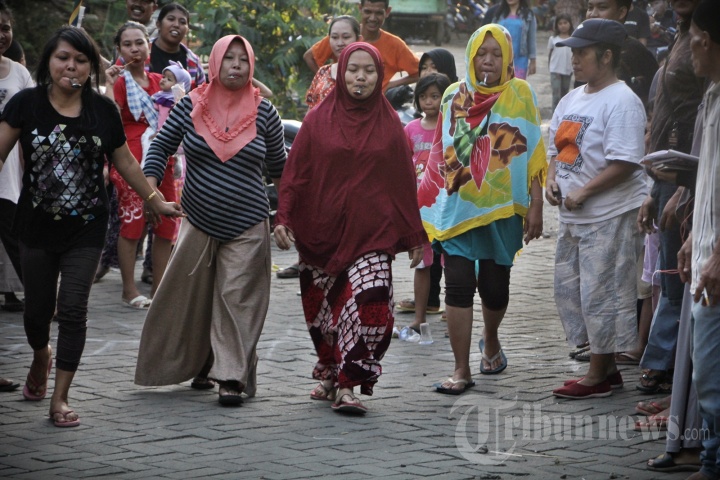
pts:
[651, 408]
[26, 390]
[66, 423]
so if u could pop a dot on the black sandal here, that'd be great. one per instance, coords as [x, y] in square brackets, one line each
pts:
[202, 383]
[666, 463]
[653, 383]
[293, 271]
[232, 397]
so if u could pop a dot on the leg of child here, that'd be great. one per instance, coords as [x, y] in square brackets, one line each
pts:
[422, 292]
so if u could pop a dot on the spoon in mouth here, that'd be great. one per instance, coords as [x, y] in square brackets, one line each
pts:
[484, 82]
[74, 83]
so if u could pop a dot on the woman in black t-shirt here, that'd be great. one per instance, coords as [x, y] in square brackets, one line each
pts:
[66, 130]
[173, 25]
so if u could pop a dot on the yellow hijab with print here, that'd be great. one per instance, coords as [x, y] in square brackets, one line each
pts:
[486, 153]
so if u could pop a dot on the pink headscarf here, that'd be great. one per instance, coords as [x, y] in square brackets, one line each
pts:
[226, 118]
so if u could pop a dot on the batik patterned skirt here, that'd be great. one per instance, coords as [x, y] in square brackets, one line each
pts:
[350, 320]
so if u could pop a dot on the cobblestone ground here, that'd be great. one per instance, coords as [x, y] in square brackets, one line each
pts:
[508, 426]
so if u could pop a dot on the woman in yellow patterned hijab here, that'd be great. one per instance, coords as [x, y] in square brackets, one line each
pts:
[482, 191]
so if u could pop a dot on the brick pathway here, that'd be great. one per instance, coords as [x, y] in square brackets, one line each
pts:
[509, 426]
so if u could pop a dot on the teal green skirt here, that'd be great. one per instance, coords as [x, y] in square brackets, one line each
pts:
[499, 241]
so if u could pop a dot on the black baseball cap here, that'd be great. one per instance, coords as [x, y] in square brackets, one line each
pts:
[596, 30]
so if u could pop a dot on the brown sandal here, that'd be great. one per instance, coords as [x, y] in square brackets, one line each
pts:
[321, 392]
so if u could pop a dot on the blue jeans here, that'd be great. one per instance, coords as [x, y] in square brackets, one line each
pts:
[706, 376]
[660, 351]
[68, 304]
[670, 243]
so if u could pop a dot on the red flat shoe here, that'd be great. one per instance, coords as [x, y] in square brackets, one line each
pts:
[578, 391]
[615, 379]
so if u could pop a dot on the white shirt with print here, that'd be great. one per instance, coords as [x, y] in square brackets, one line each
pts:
[587, 131]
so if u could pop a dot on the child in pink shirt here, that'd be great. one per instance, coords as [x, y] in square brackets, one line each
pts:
[420, 132]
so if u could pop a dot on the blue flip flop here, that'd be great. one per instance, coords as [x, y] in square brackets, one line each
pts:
[500, 354]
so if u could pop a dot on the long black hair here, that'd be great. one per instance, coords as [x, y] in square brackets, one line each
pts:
[563, 16]
[354, 24]
[82, 42]
[169, 8]
[4, 10]
[440, 80]
[130, 24]
[504, 9]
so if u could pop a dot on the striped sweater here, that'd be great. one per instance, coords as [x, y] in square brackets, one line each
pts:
[221, 199]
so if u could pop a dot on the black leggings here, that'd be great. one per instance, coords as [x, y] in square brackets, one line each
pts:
[492, 282]
[436, 272]
[69, 304]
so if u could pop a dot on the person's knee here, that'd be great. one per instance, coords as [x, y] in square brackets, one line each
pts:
[459, 296]
[460, 282]
[494, 286]
[494, 298]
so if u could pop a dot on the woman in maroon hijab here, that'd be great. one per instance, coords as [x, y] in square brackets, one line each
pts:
[349, 203]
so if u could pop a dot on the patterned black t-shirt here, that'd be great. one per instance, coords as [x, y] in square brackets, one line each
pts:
[63, 202]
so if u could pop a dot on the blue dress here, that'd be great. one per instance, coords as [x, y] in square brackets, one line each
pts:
[514, 25]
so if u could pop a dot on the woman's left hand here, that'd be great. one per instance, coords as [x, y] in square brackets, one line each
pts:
[416, 256]
[533, 225]
[155, 209]
[532, 67]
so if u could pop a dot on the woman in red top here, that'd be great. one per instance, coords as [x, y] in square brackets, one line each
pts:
[347, 245]
[131, 86]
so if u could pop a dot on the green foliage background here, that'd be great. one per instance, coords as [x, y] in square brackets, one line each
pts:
[280, 32]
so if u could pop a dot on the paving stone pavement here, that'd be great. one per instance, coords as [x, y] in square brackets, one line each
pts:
[508, 426]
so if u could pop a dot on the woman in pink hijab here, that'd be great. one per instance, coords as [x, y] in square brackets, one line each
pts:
[214, 297]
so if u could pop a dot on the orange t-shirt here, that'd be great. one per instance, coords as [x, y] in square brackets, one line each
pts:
[396, 55]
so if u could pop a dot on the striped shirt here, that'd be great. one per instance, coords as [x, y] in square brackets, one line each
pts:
[221, 199]
[706, 218]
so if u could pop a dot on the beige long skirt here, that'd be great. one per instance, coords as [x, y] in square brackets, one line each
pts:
[214, 296]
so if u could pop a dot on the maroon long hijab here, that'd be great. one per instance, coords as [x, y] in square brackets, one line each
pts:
[349, 185]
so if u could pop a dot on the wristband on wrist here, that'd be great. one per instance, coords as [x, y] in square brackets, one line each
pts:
[151, 196]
